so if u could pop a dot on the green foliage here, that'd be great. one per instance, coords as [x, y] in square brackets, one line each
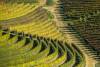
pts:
[49, 2]
[26, 50]
[50, 15]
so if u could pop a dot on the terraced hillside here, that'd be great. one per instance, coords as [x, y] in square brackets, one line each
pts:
[30, 37]
[82, 21]
[22, 50]
[12, 10]
[35, 22]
